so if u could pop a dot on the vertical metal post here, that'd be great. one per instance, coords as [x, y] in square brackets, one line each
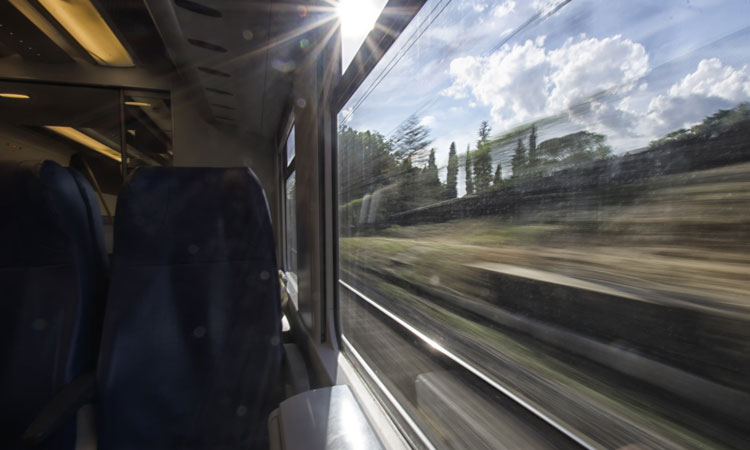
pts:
[123, 138]
[97, 187]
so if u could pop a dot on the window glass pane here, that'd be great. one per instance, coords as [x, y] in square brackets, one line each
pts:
[357, 18]
[290, 260]
[148, 124]
[554, 195]
[290, 147]
[80, 127]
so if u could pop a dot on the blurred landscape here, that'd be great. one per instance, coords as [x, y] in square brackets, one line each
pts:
[609, 291]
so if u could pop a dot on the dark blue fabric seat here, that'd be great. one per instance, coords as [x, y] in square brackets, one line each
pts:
[191, 349]
[53, 283]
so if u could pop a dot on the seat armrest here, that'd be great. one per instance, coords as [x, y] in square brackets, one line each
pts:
[326, 418]
[63, 405]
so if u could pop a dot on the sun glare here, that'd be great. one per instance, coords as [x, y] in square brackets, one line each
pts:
[357, 17]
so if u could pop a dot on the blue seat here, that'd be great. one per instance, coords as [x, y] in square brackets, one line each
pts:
[53, 279]
[191, 348]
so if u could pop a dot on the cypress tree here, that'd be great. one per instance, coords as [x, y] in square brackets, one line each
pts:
[467, 168]
[432, 185]
[484, 132]
[519, 159]
[482, 169]
[498, 180]
[451, 181]
[533, 157]
[407, 186]
[482, 160]
[432, 167]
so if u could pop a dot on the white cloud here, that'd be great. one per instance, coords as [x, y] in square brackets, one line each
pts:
[347, 114]
[504, 9]
[479, 7]
[476, 6]
[606, 115]
[427, 121]
[714, 79]
[670, 113]
[712, 86]
[527, 81]
[511, 81]
[446, 34]
[589, 66]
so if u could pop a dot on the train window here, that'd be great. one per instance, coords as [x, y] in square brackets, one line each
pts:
[290, 220]
[290, 148]
[291, 234]
[543, 234]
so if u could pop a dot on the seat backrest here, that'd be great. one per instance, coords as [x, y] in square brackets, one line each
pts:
[191, 347]
[53, 283]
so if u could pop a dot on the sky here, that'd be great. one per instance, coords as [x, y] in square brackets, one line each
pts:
[631, 70]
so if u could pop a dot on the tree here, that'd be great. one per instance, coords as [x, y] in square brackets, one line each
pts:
[431, 186]
[431, 170]
[407, 187]
[722, 121]
[674, 136]
[483, 159]
[712, 127]
[519, 159]
[451, 181]
[365, 163]
[410, 140]
[573, 148]
[484, 133]
[467, 169]
[533, 157]
[498, 179]
[407, 147]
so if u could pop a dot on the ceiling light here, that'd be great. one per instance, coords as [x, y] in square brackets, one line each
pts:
[144, 104]
[88, 141]
[81, 19]
[12, 95]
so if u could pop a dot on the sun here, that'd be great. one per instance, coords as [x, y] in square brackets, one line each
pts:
[357, 17]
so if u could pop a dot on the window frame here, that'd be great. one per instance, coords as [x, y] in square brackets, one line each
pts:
[287, 170]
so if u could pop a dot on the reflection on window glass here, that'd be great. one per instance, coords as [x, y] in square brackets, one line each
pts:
[80, 127]
[148, 124]
[555, 194]
[290, 147]
[290, 259]
[357, 18]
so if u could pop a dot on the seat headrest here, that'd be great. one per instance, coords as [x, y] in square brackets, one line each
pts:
[173, 215]
[41, 212]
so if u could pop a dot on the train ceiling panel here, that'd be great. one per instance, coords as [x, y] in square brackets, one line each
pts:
[132, 22]
[235, 52]
[19, 36]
